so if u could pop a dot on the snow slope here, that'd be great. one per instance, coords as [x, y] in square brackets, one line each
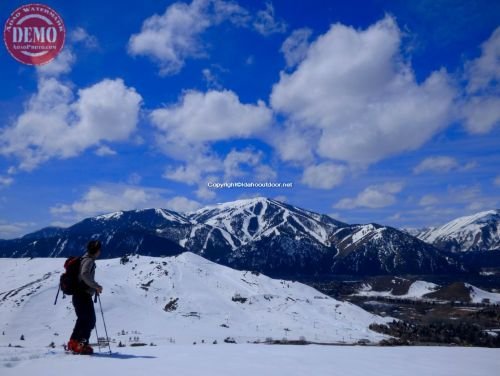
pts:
[479, 296]
[182, 299]
[252, 360]
[416, 290]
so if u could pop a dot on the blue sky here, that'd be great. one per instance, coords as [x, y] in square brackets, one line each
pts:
[376, 111]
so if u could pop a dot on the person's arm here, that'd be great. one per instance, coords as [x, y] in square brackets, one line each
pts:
[86, 274]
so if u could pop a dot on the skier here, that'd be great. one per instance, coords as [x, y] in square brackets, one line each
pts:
[82, 301]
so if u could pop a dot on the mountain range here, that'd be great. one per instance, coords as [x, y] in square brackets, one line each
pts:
[478, 232]
[257, 234]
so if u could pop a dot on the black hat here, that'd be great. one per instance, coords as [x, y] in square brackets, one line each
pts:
[93, 246]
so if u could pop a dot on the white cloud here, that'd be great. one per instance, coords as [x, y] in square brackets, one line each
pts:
[60, 65]
[110, 198]
[295, 47]
[174, 36]
[182, 204]
[442, 164]
[11, 230]
[264, 172]
[375, 196]
[293, 143]
[187, 174]
[5, 181]
[80, 35]
[355, 89]
[235, 159]
[324, 175]
[481, 113]
[211, 116]
[497, 181]
[480, 109]
[54, 124]
[436, 164]
[199, 169]
[485, 70]
[428, 200]
[266, 23]
[104, 151]
[205, 193]
[211, 79]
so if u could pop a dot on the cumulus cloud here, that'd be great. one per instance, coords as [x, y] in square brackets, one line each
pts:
[182, 204]
[356, 91]
[199, 169]
[480, 109]
[110, 198]
[295, 47]
[211, 116]
[375, 196]
[266, 22]
[80, 35]
[196, 165]
[324, 175]
[62, 64]
[171, 38]
[56, 125]
[236, 159]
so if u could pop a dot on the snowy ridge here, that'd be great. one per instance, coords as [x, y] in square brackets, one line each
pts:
[185, 299]
[480, 231]
[108, 216]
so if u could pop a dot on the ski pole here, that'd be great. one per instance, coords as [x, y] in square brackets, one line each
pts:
[59, 289]
[97, 335]
[104, 322]
[95, 326]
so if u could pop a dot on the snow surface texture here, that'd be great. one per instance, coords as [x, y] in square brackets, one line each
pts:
[253, 360]
[181, 300]
[479, 296]
[480, 231]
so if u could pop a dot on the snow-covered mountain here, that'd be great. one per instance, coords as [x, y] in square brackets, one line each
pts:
[376, 249]
[257, 234]
[478, 232]
[181, 299]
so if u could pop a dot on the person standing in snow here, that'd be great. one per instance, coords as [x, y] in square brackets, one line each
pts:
[82, 301]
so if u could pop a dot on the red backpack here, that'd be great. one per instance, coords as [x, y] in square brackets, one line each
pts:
[69, 282]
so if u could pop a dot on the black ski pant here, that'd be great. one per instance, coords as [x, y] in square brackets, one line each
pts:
[85, 321]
